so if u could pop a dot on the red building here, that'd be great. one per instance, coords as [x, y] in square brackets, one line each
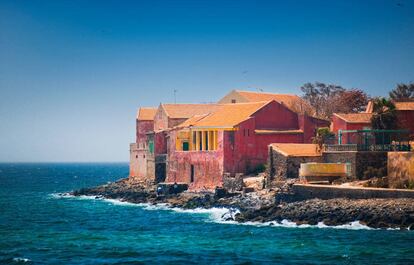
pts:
[360, 121]
[232, 139]
[198, 143]
[140, 149]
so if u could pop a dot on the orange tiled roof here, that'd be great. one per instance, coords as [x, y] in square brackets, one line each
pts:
[191, 121]
[226, 115]
[185, 111]
[409, 105]
[293, 102]
[146, 114]
[355, 117]
[297, 149]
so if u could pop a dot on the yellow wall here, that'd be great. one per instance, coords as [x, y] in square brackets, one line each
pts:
[200, 138]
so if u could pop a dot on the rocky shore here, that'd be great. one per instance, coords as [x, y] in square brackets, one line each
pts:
[262, 206]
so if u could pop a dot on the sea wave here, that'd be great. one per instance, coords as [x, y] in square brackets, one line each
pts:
[21, 260]
[217, 214]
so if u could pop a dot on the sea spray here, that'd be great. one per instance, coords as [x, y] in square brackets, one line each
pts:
[219, 215]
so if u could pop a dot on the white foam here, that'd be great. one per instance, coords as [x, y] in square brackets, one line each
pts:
[21, 259]
[217, 214]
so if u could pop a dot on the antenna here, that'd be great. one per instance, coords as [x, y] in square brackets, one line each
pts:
[175, 99]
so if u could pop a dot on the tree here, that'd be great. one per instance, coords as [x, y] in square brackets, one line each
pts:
[329, 98]
[320, 96]
[384, 117]
[351, 101]
[403, 92]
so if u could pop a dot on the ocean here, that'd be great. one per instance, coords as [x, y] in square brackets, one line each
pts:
[39, 226]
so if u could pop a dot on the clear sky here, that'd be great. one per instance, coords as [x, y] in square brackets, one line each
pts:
[73, 73]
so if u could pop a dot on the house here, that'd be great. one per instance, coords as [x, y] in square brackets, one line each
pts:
[140, 149]
[232, 139]
[293, 102]
[198, 143]
[166, 117]
[362, 121]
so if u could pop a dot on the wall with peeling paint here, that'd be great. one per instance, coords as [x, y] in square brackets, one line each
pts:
[208, 165]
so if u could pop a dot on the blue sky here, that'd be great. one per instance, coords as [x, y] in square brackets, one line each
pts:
[73, 73]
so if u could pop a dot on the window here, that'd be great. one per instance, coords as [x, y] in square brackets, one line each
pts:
[192, 173]
[233, 101]
[206, 135]
[186, 146]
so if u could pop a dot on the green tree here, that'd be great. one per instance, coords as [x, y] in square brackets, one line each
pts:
[384, 117]
[403, 92]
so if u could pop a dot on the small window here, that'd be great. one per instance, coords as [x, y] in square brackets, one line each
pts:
[233, 101]
[192, 174]
[136, 156]
[186, 146]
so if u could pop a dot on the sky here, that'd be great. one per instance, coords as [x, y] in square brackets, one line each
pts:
[73, 73]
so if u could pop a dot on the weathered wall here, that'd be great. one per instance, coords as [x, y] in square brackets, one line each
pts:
[142, 128]
[208, 166]
[360, 161]
[244, 149]
[406, 120]
[160, 143]
[133, 160]
[276, 116]
[400, 169]
[150, 163]
[160, 120]
[281, 167]
[309, 125]
[325, 192]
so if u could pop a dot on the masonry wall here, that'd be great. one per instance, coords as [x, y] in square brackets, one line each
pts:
[208, 166]
[360, 161]
[133, 160]
[325, 192]
[281, 167]
[401, 169]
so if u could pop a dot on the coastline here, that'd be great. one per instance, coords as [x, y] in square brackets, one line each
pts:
[261, 207]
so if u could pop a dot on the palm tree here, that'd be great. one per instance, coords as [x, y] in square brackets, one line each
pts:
[384, 117]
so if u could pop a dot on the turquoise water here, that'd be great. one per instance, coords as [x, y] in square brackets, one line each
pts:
[38, 227]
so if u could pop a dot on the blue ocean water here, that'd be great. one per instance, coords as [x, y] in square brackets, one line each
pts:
[39, 227]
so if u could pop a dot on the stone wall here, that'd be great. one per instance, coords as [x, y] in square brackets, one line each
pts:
[325, 192]
[360, 160]
[233, 183]
[401, 169]
[281, 167]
